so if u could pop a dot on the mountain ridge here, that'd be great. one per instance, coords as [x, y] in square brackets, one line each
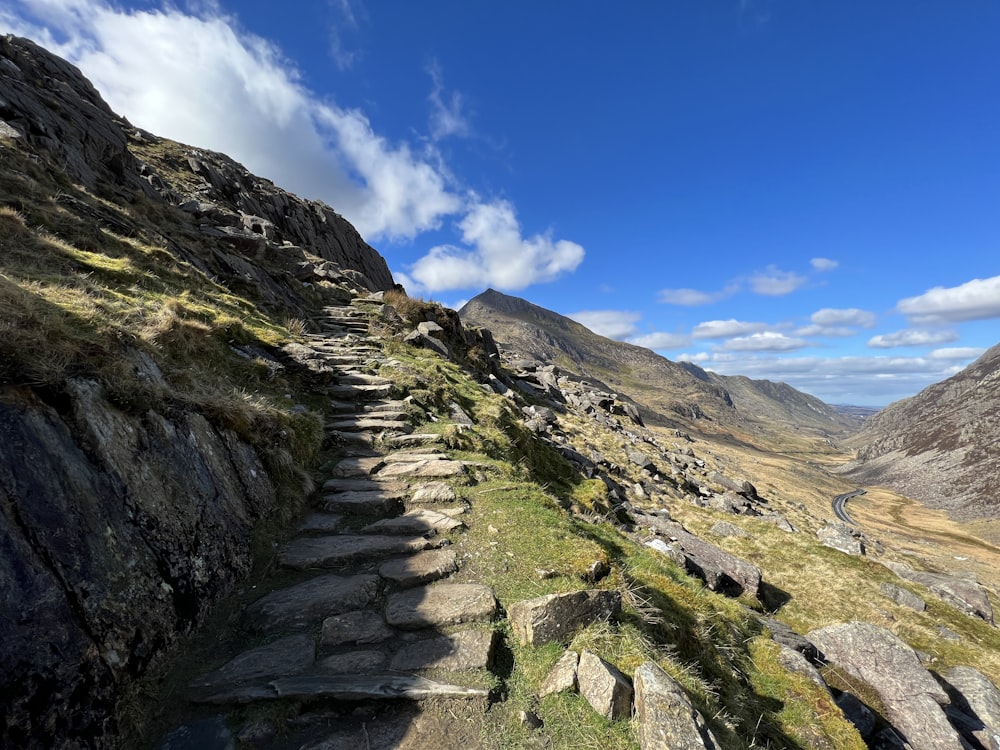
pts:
[695, 395]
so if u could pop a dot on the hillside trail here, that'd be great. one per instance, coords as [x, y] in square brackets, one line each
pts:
[360, 639]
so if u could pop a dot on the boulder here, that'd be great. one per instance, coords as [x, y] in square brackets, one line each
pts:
[555, 617]
[965, 594]
[902, 597]
[665, 717]
[605, 688]
[841, 537]
[562, 676]
[720, 570]
[911, 697]
[976, 696]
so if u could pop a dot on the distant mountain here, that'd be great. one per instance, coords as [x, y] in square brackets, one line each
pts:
[673, 391]
[941, 446]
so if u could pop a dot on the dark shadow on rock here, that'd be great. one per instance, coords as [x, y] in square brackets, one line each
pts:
[772, 597]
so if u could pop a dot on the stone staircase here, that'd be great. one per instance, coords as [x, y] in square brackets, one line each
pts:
[360, 640]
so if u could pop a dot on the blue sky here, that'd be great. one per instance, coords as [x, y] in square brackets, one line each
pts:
[791, 190]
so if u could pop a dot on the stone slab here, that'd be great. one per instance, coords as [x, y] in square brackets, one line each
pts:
[430, 469]
[371, 503]
[433, 492]
[286, 656]
[418, 521]
[354, 662]
[362, 466]
[420, 568]
[338, 549]
[303, 604]
[441, 604]
[358, 627]
[469, 649]
[319, 523]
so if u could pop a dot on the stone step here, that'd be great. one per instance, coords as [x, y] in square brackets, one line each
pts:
[410, 457]
[358, 627]
[433, 492]
[421, 568]
[390, 489]
[429, 469]
[321, 523]
[415, 439]
[393, 405]
[364, 503]
[365, 439]
[311, 602]
[370, 423]
[344, 407]
[345, 687]
[336, 550]
[287, 656]
[361, 378]
[439, 605]
[357, 467]
[462, 651]
[359, 392]
[414, 522]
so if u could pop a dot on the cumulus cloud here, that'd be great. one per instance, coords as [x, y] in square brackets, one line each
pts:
[869, 381]
[723, 329]
[661, 340]
[693, 297]
[966, 353]
[615, 324]
[773, 282]
[850, 316]
[765, 341]
[498, 255]
[203, 80]
[912, 337]
[447, 118]
[823, 264]
[978, 299]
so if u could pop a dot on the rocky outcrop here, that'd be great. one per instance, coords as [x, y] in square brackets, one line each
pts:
[978, 701]
[118, 532]
[720, 570]
[964, 594]
[912, 699]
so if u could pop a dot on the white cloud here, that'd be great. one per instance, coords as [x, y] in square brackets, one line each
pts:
[774, 282]
[912, 337]
[872, 381]
[343, 56]
[765, 341]
[615, 324]
[968, 353]
[823, 264]
[203, 80]
[661, 340]
[695, 357]
[828, 331]
[722, 329]
[498, 254]
[447, 118]
[978, 299]
[693, 297]
[850, 316]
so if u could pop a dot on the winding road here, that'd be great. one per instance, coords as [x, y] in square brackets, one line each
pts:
[840, 505]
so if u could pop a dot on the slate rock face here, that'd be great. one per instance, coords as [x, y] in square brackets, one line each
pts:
[912, 698]
[665, 717]
[117, 532]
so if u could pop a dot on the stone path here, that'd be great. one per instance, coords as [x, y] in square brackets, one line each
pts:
[360, 639]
